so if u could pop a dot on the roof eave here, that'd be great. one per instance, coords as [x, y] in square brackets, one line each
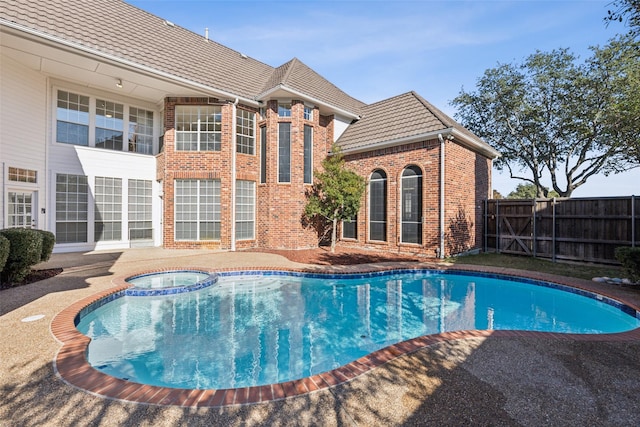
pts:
[22, 29]
[471, 143]
[267, 94]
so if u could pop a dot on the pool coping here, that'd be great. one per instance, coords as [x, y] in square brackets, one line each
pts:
[71, 365]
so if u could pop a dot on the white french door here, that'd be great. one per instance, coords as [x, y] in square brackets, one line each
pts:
[22, 206]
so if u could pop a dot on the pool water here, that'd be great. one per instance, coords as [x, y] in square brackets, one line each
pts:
[171, 279]
[249, 330]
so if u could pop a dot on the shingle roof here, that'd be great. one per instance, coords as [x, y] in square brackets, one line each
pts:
[399, 118]
[299, 77]
[116, 28]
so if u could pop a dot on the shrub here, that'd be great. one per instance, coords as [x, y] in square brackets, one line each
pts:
[48, 241]
[4, 251]
[25, 250]
[630, 260]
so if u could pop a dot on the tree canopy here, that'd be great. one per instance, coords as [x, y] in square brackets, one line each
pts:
[528, 191]
[625, 11]
[557, 120]
[336, 193]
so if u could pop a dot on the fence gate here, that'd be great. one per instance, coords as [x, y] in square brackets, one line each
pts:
[580, 229]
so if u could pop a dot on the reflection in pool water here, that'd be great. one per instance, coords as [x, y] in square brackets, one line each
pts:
[259, 329]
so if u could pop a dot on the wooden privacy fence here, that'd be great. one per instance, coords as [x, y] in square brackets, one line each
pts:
[580, 229]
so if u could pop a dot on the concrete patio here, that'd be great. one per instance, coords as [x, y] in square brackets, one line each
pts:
[519, 380]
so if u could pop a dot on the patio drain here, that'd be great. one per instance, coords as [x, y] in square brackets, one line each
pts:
[33, 318]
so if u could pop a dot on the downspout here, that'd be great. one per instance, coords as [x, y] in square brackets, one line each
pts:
[441, 249]
[233, 176]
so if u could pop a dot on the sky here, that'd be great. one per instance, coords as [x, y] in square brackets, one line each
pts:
[375, 49]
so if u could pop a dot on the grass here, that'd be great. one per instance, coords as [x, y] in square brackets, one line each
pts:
[571, 269]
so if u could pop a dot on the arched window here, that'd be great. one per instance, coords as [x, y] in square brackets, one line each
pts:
[378, 206]
[411, 205]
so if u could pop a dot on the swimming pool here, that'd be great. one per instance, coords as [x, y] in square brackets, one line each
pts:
[254, 328]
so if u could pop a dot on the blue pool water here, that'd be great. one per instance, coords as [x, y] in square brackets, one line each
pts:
[246, 330]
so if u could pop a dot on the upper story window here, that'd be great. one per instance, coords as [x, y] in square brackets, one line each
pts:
[198, 127]
[284, 109]
[94, 122]
[308, 113]
[109, 125]
[245, 132]
[140, 131]
[72, 115]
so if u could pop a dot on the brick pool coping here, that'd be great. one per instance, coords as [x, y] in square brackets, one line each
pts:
[71, 365]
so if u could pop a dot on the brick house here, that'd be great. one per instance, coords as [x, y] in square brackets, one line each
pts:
[109, 144]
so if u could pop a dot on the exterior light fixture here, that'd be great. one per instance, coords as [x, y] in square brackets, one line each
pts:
[119, 83]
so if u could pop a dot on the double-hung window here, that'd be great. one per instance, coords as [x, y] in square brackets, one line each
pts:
[140, 131]
[108, 209]
[72, 118]
[198, 127]
[197, 209]
[109, 125]
[72, 195]
[284, 109]
[245, 132]
[140, 210]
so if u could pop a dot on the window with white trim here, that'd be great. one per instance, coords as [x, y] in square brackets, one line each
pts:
[97, 122]
[140, 131]
[245, 209]
[140, 210]
[284, 109]
[23, 175]
[284, 152]
[72, 195]
[198, 127]
[109, 125]
[72, 118]
[108, 209]
[197, 209]
[411, 205]
[308, 154]
[245, 132]
[308, 113]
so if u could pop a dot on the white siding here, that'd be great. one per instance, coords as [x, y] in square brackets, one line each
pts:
[340, 124]
[23, 116]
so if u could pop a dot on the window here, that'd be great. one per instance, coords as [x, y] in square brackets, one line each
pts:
[350, 228]
[109, 125]
[23, 175]
[245, 209]
[108, 209]
[245, 132]
[284, 152]
[140, 131]
[71, 208]
[100, 123]
[198, 128]
[284, 110]
[308, 113]
[378, 206]
[20, 209]
[308, 154]
[263, 154]
[140, 210]
[72, 118]
[412, 205]
[197, 209]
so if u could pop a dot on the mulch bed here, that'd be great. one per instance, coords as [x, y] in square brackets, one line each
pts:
[34, 276]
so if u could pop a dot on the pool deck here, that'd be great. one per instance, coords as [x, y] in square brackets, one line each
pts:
[466, 378]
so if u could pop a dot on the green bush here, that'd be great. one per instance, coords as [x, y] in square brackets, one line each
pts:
[630, 260]
[48, 241]
[4, 251]
[25, 250]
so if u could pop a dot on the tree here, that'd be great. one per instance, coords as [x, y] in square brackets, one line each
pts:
[335, 195]
[627, 11]
[555, 120]
[528, 191]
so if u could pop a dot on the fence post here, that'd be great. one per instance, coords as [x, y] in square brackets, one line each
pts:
[534, 210]
[553, 232]
[633, 221]
[486, 221]
[498, 226]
